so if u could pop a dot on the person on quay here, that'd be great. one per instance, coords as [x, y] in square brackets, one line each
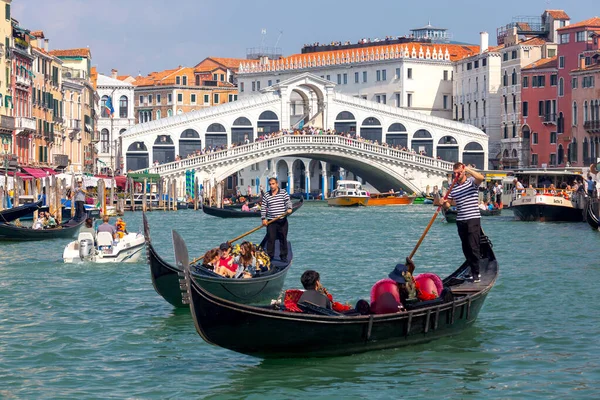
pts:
[107, 227]
[79, 198]
[311, 282]
[468, 220]
[275, 202]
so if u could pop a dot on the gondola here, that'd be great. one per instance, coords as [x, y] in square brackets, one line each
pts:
[234, 213]
[165, 278]
[450, 215]
[269, 333]
[12, 214]
[592, 213]
[490, 213]
[20, 233]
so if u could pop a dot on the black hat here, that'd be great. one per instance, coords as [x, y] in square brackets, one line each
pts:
[224, 246]
[396, 274]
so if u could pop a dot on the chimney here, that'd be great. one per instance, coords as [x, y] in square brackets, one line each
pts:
[113, 73]
[46, 41]
[484, 42]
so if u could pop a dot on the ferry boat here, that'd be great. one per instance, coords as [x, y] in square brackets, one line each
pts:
[389, 199]
[545, 198]
[348, 194]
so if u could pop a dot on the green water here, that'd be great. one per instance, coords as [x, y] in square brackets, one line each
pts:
[100, 331]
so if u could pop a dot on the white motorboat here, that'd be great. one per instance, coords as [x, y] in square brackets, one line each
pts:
[103, 249]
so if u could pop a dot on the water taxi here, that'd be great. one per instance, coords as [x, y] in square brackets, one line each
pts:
[348, 194]
[390, 199]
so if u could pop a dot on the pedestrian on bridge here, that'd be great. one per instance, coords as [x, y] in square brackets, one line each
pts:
[276, 202]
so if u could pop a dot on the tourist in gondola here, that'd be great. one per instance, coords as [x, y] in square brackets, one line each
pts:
[275, 202]
[246, 261]
[39, 223]
[50, 221]
[465, 196]
[311, 282]
[211, 259]
[245, 207]
[79, 198]
[226, 265]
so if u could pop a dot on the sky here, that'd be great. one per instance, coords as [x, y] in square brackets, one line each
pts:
[141, 36]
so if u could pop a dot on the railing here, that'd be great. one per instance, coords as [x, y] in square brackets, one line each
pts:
[329, 140]
[593, 126]
[23, 81]
[549, 118]
[57, 118]
[7, 122]
[75, 124]
[24, 123]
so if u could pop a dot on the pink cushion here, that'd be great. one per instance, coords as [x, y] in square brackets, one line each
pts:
[386, 285]
[429, 283]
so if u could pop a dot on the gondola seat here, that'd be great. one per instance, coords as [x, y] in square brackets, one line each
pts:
[430, 283]
[385, 297]
[290, 300]
[311, 308]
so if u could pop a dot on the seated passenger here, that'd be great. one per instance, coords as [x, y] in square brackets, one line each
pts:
[246, 261]
[389, 298]
[491, 206]
[245, 207]
[211, 259]
[226, 266]
[482, 205]
[311, 283]
[88, 227]
[50, 221]
[121, 227]
[39, 223]
[106, 227]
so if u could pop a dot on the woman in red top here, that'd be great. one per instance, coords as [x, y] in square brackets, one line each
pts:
[226, 266]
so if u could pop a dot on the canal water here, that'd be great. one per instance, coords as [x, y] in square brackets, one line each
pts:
[100, 331]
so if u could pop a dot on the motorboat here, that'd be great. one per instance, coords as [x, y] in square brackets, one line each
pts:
[348, 194]
[102, 249]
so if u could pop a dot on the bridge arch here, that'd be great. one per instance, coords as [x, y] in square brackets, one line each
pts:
[216, 135]
[137, 156]
[268, 122]
[447, 148]
[397, 135]
[474, 154]
[189, 142]
[371, 129]
[422, 140]
[345, 122]
[163, 149]
[241, 130]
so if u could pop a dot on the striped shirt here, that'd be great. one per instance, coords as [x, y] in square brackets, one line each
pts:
[275, 205]
[467, 200]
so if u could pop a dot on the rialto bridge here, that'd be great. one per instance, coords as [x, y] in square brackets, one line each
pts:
[248, 119]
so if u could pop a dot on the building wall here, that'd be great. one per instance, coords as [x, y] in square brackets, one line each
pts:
[73, 114]
[541, 123]
[586, 133]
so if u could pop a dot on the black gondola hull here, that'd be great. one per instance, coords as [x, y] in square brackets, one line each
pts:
[15, 213]
[268, 333]
[14, 233]
[592, 213]
[235, 213]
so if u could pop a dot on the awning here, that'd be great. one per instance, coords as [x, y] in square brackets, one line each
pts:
[88, 128]
[50, 171]
[19, 174]
[36, 172]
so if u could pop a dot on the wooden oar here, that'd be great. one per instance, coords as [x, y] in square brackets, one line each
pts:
[437, 211]
[195, 260]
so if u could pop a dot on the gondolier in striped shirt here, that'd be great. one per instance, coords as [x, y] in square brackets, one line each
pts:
[274, 203]
[465, 195]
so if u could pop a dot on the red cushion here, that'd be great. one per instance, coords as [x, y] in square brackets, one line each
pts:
[430, 283]
[385, 297]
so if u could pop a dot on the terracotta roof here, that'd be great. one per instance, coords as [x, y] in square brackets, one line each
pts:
[38, 34]
[558, 14]
[40, 49]
[232, 63]
[534, 41]
[72, 53]
[123, 77]
[494, 49]
[211, 63]
[543, 63]
[156, 78]
[94, 77]
[592, 23]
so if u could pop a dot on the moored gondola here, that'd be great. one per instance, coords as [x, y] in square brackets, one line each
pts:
[15, 213]
[235, 213]
[592, 213]
[270, 333]
[10, 232]
[166, 278]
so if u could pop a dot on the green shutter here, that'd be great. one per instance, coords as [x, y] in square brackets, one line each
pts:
[8, 12]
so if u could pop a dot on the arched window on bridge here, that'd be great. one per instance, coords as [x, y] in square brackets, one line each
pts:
[268, 122]
[345, 122]
[422, 141]
[242, 129]
[216, 135]
[371, 129]
[447, 149]
[397, 135]
[137, 156]
[474, 154]
[163, 150]
[189, 142]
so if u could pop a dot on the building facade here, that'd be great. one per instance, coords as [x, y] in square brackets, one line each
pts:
[538, 112]
[112, 127]
[7, 121]
[476, 89]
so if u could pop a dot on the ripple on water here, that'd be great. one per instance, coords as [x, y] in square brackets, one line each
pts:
[90, 331]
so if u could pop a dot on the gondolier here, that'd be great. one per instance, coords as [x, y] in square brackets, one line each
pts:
[275, 202]
[465, 196]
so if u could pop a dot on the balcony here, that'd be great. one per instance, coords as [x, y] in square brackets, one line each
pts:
[25, 125]
[592, 126]
[61, 160]
[7, 124]
[549, 118]
[21, 80]
[57, 119]
[75, 124]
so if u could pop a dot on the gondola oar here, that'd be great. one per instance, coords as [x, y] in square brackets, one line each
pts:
[437, 211]
[195, 260]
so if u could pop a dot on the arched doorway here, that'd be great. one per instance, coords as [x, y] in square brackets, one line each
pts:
[281, 169]
[163, 150]
[422, 141]
[315, 176]
[474, 154]
[216, 136]
[268, 122]
[241, 131]
[447, 149]
[189, 142]
[371, 129]
[345, 122]
[299, 171]
[397, 135]
[137, 156]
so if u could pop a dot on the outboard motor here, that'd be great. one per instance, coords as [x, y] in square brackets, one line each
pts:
[86, 247]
